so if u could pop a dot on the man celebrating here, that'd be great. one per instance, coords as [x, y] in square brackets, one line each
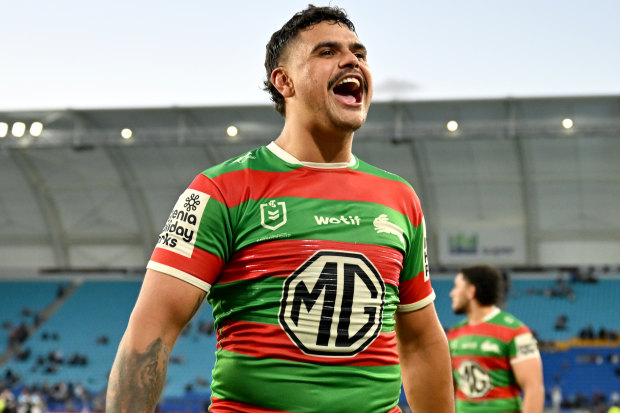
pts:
[314, 261]
[494, 356]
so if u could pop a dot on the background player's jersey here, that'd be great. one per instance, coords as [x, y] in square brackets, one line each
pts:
[305, 266]
[481, 362]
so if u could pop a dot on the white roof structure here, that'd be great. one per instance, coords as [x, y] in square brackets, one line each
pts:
[511, 185]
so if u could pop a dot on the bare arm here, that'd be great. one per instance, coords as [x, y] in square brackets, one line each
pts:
[425, 361]
[529, 376]
[164, 306]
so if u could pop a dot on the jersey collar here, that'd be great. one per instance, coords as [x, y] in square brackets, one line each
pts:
[287, 157]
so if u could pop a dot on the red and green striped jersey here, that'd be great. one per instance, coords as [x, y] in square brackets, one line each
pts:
[305, 266]
[482, 354]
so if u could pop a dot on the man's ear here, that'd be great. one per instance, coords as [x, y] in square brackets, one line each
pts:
[282, 82]
[471, 291]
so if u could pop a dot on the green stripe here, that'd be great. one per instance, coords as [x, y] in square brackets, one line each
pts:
[258, 301]
[310, 218]
[489, 406]
[303, 387]
[505, 320]
[260, 159]
[501, 378]
[373, 170]
[214, 232]
[485, 346]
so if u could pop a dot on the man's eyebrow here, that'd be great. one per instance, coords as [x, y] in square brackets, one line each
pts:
[359, 46]
[321, 45]
[332, 44]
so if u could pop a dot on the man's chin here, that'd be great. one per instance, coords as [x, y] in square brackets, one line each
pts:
[351, 123]
[458, 310]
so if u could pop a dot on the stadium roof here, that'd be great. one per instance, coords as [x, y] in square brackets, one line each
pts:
[512, 179]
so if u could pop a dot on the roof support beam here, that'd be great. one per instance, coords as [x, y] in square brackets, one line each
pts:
[135, 193]
[47, 205]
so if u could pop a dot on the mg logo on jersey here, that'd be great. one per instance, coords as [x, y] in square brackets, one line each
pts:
[475, 381]
[273, 214]
[332, 305]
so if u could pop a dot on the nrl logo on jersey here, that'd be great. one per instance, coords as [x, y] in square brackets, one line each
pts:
[273, 214]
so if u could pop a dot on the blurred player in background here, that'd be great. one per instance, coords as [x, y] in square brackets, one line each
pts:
[314, 261]
[495, 357]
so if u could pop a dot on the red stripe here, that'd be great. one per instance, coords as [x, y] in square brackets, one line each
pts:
[499, 332]
[274, 259]
[414, 290]
[495, 393]
[203, 184]
[229, 406]
[332, 184]
[202, 264]
[488, 363]
[270, 341]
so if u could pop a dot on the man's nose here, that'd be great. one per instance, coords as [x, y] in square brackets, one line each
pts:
[350, 60]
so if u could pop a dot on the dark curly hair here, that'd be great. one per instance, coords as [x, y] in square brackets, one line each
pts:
[280, 40]
[489, 283]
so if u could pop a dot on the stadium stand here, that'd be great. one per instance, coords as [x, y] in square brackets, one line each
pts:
[89, 322]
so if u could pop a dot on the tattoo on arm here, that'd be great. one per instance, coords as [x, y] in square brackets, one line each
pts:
[137, 379]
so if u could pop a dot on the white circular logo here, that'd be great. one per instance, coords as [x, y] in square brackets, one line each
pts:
[474, 380]
[333, 304]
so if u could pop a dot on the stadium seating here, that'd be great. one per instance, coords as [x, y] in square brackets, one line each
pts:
[98, 309]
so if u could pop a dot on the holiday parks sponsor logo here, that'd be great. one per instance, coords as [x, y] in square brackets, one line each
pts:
[179, 232]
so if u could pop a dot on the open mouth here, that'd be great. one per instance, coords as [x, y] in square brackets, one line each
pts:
[349, 91]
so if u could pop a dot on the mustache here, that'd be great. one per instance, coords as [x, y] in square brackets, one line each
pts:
[343, 73]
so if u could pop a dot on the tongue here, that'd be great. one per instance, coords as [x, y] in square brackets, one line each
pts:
[346, 99]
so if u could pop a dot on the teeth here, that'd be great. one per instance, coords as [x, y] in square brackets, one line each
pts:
[349, 80]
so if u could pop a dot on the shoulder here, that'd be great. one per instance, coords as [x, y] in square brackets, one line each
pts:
[244, 161]
[367, 168]
[508, 320]
[456, 329]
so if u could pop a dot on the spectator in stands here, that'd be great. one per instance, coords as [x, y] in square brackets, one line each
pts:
[556, 399]
[24, 402]
[206, 327]
[37, 404]
[341, 345]
[561, 322]
[18, 335]
[11, 377]
[7, 401]
[587, 333]
[492, 352]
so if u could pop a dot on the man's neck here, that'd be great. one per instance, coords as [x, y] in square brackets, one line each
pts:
[317, 145]
[479, 313]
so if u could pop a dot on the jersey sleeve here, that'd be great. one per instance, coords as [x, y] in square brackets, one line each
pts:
[195, 241]
[415, 290]
[523, 346]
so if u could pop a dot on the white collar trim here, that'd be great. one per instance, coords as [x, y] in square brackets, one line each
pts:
[492, 314]
[287, 157]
